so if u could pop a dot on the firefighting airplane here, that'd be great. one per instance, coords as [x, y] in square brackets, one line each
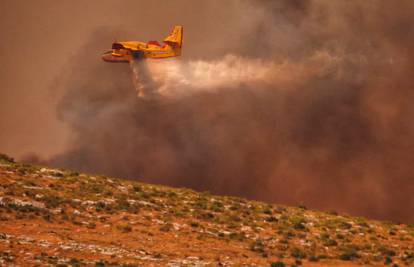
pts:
[132, 50]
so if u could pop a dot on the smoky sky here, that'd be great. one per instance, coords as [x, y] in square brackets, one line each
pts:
[328, 123]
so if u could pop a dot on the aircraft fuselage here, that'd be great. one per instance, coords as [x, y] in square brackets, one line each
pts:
[133, 50]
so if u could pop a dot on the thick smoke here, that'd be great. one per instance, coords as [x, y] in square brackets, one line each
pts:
[312, 106]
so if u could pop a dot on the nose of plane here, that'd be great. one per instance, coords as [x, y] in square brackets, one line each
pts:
[108, 57]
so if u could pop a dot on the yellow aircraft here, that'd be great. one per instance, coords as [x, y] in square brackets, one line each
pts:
[130, 50]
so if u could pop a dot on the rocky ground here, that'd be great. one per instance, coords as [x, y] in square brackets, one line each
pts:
[51, 217]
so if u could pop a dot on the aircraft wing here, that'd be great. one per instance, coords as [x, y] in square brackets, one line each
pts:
[131, 45]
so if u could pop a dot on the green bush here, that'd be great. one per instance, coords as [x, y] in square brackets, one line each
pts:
[387, 252]
[137, 188]
[217, 206]
[349, 254]
[271, 219]
[299, 224]
[194, 224]
[387, 260]
[52, 201]
[297, 253]
[267, 211]
[200, 204]
[6, 159]
[313, 258]
[303, 207]
[277, 264]
[237, 236]
[345, 225]
[205, 216]
[74, 262]
[330, 243]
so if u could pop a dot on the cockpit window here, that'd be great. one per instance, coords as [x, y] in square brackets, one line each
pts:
[117, 46]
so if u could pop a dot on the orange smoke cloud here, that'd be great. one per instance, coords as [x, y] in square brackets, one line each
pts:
[310, 103]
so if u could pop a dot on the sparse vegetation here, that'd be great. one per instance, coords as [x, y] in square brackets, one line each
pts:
[70, 207]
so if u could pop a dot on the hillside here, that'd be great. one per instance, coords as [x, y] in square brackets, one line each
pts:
[51, 217]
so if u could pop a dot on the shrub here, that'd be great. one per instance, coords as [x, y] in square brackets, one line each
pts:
[65, 217]
[91, 225]
[194, 224]
[313, 258]
[48, 217]
[267, 211]
[345, 225]
[74, 262]
[122, 204]
[257, 246]
[333, 212]
[289, 235]
[200, 204]
[237, 236]
[340, 236]
[299, 224]
[166, 227]
[363, 224]
[143, 195]
[217, 206]
[387, 252]
[235, 206]
[205, 216]
[303, 207]
[277, 264]
[271, 219]
[23, 208]
[297, 253]
[95, 188]
[57, 174]
[330, 243]
[6, 159]
[349, 254]
[100, 206]
[137, 188]
[125, 228]
[52, 201]
[387, 260]
[21, 171]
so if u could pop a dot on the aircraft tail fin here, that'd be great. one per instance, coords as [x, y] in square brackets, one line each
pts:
[175, 38]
